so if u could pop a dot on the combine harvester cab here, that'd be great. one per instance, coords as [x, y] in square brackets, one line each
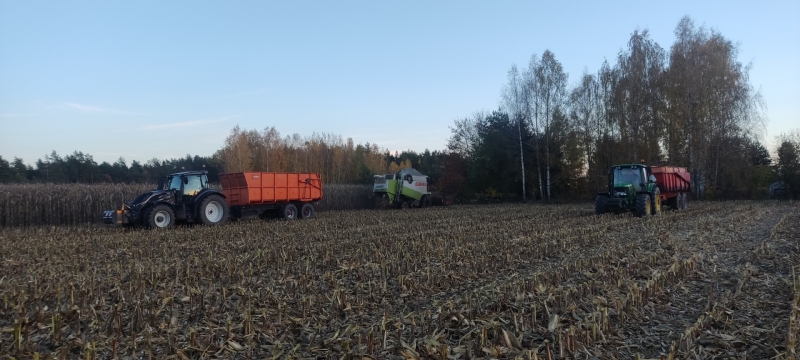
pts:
[187, 197]
[643, 189]
[406, 189]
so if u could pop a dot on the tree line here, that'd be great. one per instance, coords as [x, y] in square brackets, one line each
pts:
[692, 106]
[82, 168]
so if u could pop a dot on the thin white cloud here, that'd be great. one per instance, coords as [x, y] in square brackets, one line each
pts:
[98, 109]
[86, 108]
[186, 123]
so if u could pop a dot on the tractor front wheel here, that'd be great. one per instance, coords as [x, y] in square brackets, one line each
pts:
[159, 217]
[643, 205]
[600, 205]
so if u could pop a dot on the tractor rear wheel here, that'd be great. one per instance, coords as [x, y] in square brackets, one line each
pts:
[213, 210]
[159, 217]
[600, 205]
[643, 205]
[307, 211]
[655, 202]
[289, 212]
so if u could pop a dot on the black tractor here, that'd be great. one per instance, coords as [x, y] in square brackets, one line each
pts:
[184, 197]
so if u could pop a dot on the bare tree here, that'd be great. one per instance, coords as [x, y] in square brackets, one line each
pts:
[514, 100]
[465, 137]
[533, 102]
[641, 68]
[549, 91]
[586, 114]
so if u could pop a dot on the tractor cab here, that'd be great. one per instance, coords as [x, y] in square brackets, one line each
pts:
[381, 184]
[631, 187]
[186, 182]
[185, 185]
[629, 177]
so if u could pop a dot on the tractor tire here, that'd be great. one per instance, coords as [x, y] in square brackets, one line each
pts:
[600, 205]
[307, 211]
[213, 210]
[426, 201]
[655, 202]
[159, 217]
[405, 205]
[643, 205]
[288, 212]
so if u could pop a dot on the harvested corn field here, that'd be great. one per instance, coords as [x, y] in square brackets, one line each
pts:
[500, 281]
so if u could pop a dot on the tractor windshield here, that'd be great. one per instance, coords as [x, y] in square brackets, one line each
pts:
[628, 176]
[174, 183]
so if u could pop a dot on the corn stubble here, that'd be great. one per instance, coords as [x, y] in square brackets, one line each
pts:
[501, 281]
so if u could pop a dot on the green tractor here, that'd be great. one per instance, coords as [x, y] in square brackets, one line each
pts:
[631, 188]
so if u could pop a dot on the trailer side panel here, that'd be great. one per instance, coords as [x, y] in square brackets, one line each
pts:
[254, 188]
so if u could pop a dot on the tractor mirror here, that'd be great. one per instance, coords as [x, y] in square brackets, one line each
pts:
[185, 180]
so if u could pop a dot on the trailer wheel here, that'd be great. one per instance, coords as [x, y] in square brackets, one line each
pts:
[643, 205]
[307, 211]
[213, 210]
[289, 212]
[684, 201]
[159, 217]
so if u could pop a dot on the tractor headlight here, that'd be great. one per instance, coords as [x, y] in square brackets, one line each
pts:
[622, 193]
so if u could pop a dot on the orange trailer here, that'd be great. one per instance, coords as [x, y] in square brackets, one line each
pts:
[256, 193]
[674, 183]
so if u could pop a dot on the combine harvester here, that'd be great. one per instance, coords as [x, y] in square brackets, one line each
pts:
[406, 189]
[186, 197]
[644, 189]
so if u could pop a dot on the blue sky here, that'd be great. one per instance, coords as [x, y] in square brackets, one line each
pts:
[163, 79]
